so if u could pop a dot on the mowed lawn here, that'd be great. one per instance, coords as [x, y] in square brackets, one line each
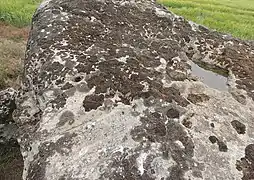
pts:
[235, 17]
[17, 12]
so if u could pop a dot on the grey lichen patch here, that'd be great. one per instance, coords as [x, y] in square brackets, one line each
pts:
[70, 92]
[157, 128]
[82, 87]
[239, 127]
[37, 168]
[66, 117]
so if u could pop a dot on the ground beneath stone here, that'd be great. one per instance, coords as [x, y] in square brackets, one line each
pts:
[12, 50]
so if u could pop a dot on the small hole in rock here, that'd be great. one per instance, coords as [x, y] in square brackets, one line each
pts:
[78, 78]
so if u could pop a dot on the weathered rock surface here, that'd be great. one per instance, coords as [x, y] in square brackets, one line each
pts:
[7, 105]
[11, 162]
[109, 94]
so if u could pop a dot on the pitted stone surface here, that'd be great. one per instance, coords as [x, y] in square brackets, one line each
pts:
[109, 93]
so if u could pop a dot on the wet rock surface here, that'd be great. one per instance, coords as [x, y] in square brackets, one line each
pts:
[109, 93]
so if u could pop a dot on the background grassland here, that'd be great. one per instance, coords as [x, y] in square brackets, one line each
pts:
[229, 16]
[17, 12]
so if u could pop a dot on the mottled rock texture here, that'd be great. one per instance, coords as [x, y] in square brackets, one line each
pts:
[11, 162]
[109, 93]
[7, 105]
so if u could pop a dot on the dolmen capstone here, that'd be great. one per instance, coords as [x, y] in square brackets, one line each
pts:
[109, 93]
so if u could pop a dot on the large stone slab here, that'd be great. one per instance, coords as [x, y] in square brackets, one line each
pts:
[109, 93]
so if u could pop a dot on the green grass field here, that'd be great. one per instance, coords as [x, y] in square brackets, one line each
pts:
[230, 16]
[17, 12]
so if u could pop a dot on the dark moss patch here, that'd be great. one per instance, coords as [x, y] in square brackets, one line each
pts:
[93, 102]
[249, 153]
[213, 139]
[222, 146]
[173, 113]
[239, 127]
[246, 164]
[59, 101]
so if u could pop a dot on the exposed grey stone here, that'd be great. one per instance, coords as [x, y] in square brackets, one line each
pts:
[109, 93]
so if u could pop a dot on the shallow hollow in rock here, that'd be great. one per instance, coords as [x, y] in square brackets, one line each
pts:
[214, 77]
